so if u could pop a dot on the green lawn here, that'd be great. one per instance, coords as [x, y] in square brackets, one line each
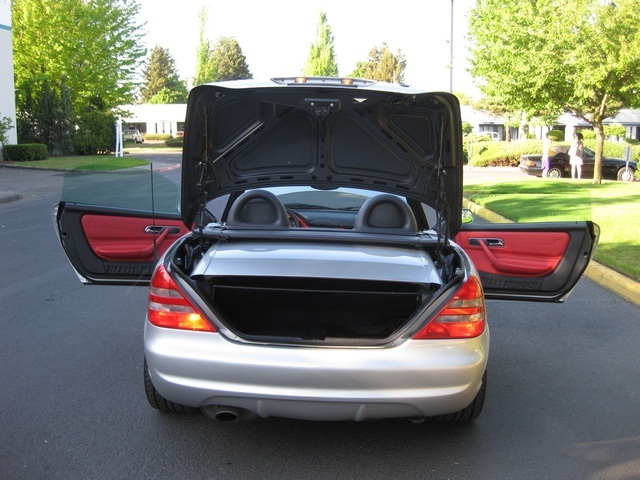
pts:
[85, 162]
[614, 206]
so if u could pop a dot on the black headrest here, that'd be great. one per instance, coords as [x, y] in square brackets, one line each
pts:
[386, 214]
[258, 208]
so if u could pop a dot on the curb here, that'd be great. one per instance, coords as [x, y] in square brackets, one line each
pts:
[9, 197]
[604, 276]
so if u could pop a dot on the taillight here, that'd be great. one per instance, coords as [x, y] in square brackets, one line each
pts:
[169, 308]
[463, 317]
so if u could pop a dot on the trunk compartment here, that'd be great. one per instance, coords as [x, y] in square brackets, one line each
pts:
[309, 309]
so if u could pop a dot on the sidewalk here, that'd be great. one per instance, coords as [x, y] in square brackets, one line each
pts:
[610, 279]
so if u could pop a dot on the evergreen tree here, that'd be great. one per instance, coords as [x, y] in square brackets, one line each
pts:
[231, 63]
[382, 65]
[47, 115]
[206, 68]
[161, 75]
[322, 58]
[66, 124]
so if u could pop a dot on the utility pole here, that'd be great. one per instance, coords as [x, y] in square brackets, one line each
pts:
[451, 53]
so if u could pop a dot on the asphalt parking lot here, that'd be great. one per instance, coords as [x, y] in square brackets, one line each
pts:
[562, 400]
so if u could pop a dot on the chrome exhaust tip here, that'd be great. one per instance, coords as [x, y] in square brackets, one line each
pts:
[227, 414]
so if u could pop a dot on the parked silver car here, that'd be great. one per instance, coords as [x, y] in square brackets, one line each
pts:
[317, 267]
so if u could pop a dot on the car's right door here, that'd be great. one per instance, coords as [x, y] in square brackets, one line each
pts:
[536, 261]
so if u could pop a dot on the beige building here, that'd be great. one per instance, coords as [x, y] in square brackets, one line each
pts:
[154, 118]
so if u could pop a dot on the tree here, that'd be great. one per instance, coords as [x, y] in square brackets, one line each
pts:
[497, 108]
[162, 84]
[49, 117]
[66, 126]
[5, 126]
[322, 59]
[95, 43]
[464, 98]
[615, 130]
[585, 56]
[231, 63]
[47, 114]
[206, 68]
[382, 65]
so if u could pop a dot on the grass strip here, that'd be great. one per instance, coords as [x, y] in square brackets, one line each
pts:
[614, 206]
[85, 163]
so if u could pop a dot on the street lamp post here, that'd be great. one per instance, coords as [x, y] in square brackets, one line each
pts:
[451, 53]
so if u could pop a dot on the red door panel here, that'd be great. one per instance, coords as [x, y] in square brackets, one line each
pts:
[514, 253]
[114, 246]
[130, 239]
[529, 261]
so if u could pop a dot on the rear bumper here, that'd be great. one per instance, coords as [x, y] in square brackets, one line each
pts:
[416, 378]
[535, 171]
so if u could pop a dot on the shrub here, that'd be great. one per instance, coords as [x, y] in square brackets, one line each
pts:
[174, 142]
[588, 134]
[163, 137]
[26, 152]
[556, 135]
[96, 133]
[615, 149]
[502, 154]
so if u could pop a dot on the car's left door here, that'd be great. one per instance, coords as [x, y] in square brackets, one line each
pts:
[108, 245]
[114, 226]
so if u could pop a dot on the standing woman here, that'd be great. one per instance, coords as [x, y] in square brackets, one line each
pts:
[546, 162]
[575, 157]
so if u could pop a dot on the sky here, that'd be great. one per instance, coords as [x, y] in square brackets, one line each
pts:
[275, 36]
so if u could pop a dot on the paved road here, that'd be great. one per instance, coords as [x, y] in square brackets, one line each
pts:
[563, 399]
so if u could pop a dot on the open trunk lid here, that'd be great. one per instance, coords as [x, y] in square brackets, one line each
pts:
[326, 133]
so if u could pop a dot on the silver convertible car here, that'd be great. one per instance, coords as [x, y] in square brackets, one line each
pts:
[315, 265]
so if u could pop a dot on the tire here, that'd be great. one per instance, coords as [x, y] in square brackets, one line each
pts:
[158, 401]
[555, 172]
[626, 174]
[471, 412]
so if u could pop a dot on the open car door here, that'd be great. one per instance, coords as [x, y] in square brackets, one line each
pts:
[132, 219]
[529, 261]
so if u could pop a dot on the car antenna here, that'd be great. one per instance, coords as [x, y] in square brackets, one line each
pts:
[153, 216]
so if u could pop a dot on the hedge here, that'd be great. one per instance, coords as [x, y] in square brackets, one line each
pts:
[174, 142]
[25, 152]
[157, 136]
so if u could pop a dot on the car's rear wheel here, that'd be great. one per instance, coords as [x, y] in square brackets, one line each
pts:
[626, 174]
[555, 172]
[158, 401]
[472, 411]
